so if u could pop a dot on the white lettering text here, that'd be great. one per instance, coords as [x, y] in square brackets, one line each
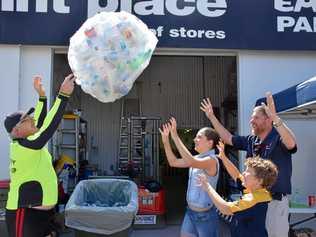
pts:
[204, 5]
[289, 6]
[301, 24]
[191, 33]
[7, 5]
[149, 8]
[173, 9]
[305, 4]
[40, 6]
[283, 6]
[206, 8]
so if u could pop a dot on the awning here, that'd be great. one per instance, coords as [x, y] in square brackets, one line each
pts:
[298, 99]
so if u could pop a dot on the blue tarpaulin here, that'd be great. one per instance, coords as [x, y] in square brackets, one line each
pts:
[302, 95]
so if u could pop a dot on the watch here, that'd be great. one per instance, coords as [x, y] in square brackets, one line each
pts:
[278, 123]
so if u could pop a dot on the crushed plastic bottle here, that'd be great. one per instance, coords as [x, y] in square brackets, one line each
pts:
[64, 178]
[108, 52]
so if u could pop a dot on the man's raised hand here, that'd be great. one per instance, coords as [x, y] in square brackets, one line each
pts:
[38, 86]
[207, 108]
[270, 106]
[68, 85]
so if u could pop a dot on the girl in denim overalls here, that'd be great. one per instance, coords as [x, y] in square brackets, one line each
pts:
[201, 219]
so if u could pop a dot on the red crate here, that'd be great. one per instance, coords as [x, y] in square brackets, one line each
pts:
[151, 203]
[4, 184]
[4, 189]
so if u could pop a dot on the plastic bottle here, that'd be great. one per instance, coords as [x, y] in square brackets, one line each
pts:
[64, 177]
[71, 178]
[295, 198]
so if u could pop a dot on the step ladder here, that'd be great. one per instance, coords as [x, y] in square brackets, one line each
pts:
[68, 142]
[129, 107]
[139, 147]
[124, 145]
[131, 145]
[68, 137]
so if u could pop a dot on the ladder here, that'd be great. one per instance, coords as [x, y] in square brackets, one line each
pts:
[138, 154]
[68, 138]
[130, 147]
[129, 107]
[68, 145]
[124, 145]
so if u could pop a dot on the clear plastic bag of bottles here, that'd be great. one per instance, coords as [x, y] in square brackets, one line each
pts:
[109, 52]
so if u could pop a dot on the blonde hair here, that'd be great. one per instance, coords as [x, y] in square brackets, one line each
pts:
[260, 108]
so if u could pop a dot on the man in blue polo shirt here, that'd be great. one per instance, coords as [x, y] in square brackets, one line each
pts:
[270, 139]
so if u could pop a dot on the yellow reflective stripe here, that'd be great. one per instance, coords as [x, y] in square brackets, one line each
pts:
[38, 110]
[48, 119]
[64, 94]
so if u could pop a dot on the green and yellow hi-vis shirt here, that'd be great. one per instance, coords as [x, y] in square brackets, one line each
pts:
[33, 178]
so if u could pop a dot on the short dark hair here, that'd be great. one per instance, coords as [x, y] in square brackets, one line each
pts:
[264, 169]
[210, 134]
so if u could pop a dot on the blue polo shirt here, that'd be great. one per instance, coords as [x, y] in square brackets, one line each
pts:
[249, 216]
[273, 149]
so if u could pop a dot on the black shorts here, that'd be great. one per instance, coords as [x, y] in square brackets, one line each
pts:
[29, 222]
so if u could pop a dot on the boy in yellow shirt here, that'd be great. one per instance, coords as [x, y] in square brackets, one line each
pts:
[248, 213]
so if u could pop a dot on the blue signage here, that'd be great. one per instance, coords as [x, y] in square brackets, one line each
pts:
[215, 24]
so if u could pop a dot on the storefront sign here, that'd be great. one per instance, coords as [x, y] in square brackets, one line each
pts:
[223, 24]
[291, 22]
